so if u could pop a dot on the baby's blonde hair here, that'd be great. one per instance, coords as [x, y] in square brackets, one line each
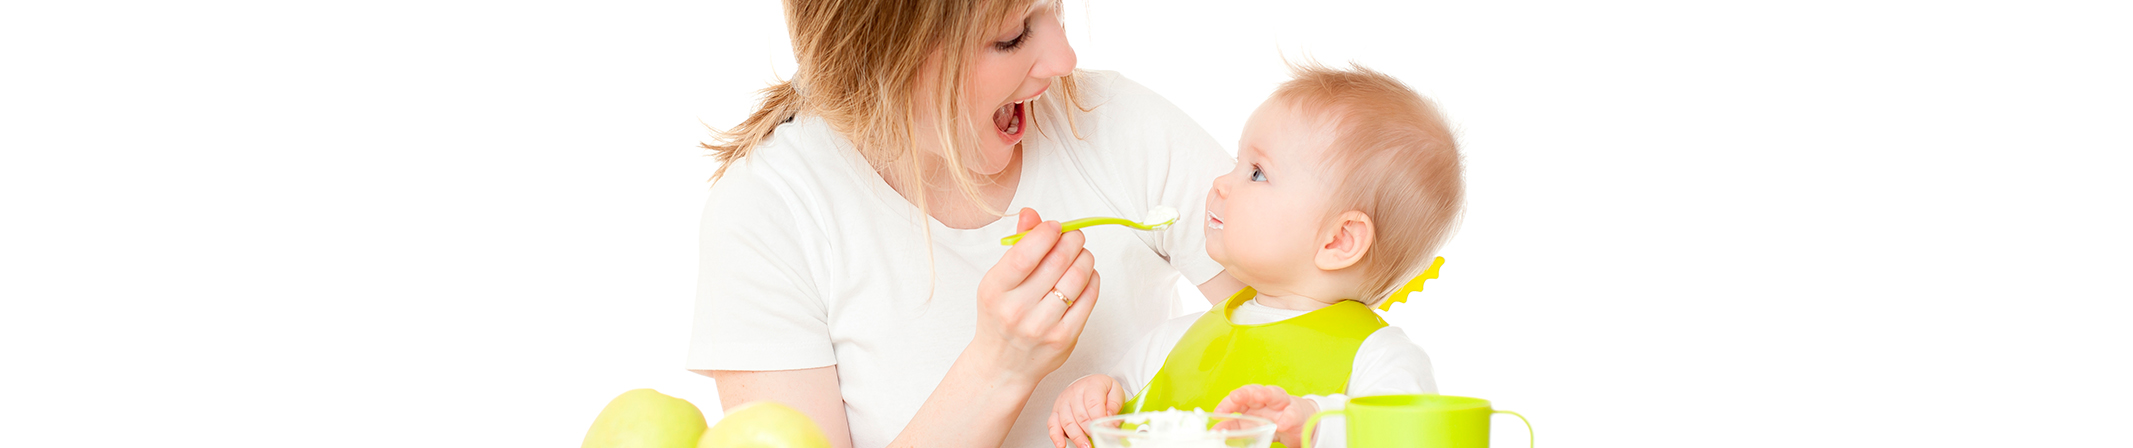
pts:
[1396, 160]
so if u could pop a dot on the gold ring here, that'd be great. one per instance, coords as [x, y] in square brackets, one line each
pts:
[1062, 297]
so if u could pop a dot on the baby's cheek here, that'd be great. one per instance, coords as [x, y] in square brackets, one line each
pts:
[1250, 251]
[1214, 248]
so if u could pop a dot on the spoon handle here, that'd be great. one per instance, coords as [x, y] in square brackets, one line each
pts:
[1077, 224]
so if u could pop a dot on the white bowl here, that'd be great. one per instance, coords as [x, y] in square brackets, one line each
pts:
[1181, 429]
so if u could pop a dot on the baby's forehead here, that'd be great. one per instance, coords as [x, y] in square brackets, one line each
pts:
[1284, 131]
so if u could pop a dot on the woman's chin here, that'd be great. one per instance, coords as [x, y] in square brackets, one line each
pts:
[995, 161]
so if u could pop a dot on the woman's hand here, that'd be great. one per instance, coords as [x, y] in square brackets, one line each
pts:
[1270, 402]
[1089, 398]
[1033, 303]
[1025, 331]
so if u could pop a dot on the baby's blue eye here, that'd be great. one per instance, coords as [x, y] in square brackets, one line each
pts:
[1258, 176]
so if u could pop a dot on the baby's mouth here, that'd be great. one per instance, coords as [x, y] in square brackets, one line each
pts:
[1213, 222]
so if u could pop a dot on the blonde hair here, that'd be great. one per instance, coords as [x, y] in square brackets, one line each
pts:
[1397, 162]
[861, 62]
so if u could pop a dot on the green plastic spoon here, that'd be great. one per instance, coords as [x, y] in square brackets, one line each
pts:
[1158, 218]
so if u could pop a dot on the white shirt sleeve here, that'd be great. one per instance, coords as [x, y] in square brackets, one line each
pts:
[757, 306]
[1141, 361]
[1386, 364]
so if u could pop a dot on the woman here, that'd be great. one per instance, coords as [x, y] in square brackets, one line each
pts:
[851, 263]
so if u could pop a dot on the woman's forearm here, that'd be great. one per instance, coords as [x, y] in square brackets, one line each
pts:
[973, 406]
[811, 391]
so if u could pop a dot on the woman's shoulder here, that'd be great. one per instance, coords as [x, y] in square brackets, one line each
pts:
[804, 153]
[1133, 135]
[1120, 117]
[797, 150]
[802, 170]
[1109, 94]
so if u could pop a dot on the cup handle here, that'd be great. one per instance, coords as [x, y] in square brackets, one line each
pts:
[1314, 422]
[1521, 418]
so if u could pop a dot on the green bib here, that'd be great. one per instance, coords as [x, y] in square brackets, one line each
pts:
[1310, 354]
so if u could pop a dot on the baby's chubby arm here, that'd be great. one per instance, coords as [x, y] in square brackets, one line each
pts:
[1272, 403]
[1089, 398]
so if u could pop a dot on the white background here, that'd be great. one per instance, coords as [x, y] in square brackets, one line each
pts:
[460, 223]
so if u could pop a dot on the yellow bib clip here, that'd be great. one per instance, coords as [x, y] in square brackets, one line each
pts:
[1412, 286]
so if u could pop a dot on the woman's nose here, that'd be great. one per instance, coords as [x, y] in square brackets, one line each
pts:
[1057, 60]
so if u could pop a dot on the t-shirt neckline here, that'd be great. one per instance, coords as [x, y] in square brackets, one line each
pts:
[998, 228]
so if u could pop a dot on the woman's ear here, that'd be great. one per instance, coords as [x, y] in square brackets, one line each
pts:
[1349, 238]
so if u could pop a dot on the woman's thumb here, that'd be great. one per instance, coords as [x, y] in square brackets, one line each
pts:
[1028, 220]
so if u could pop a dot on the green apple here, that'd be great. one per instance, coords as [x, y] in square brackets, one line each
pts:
[645, 418]
[764, 424]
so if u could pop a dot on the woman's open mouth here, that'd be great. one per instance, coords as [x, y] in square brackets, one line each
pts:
[1013, 118]
[1213, 222]
[1008, 120]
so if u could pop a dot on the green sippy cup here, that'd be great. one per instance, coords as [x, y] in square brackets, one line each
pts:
[1417, 421]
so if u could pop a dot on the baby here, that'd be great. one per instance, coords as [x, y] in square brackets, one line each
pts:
[1347, 183]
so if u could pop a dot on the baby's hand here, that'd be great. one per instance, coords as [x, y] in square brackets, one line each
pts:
[1089, 398]
[1271, 403]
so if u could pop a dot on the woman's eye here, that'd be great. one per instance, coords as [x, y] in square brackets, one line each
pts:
[1258, 176]
[1012, 44]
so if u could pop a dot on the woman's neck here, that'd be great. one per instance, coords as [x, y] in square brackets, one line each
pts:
[947, 203]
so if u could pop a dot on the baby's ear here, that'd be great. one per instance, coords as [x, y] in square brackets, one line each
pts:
[1347, 239]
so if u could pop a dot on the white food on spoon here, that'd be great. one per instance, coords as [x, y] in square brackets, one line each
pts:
[1160, 217]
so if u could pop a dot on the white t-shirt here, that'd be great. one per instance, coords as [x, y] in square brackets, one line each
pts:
[1386, 363]
[811, 260]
